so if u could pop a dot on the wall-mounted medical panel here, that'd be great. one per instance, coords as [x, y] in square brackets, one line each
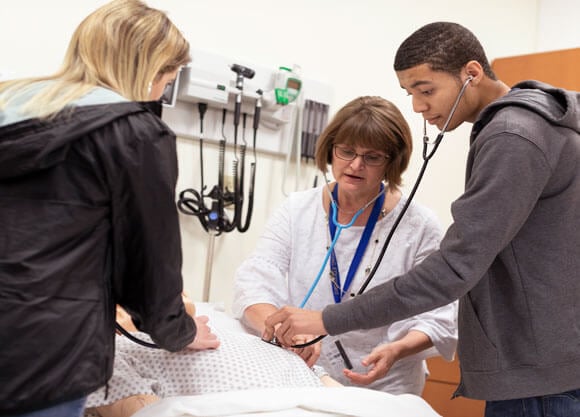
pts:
[235, 94]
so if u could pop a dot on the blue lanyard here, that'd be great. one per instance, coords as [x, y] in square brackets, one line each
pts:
[332, 217]
[337, 292]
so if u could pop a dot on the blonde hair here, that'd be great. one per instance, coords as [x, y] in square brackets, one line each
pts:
[374, 123]
[123, 46]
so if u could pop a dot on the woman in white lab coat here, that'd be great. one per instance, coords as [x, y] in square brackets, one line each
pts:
[368, 145]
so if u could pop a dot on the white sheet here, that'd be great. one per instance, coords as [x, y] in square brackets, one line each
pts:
[293, 402]
[218, 317]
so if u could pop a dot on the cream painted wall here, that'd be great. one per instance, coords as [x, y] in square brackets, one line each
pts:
[558, 26]
[348, 44]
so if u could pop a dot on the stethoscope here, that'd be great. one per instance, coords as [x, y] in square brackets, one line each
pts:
[439, 137]
[426, 158]
[333, 217]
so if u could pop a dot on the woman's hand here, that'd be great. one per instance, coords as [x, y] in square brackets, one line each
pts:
[189, 305]
[124, 320]
[309, 354]
[204, 338]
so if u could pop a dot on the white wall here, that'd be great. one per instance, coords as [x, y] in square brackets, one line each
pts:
[348, 44]
[558, 25]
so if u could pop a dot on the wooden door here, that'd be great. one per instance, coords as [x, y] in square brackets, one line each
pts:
[440, 386]
[558, 68]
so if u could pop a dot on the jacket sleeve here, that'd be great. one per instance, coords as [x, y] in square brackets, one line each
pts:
[507, 177]
[147, 255]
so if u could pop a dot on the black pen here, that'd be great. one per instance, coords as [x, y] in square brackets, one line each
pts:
[342, 352]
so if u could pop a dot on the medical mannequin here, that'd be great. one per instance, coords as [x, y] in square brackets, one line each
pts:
[154, 372]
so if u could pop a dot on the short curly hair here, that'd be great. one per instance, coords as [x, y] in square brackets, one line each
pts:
[445, 46]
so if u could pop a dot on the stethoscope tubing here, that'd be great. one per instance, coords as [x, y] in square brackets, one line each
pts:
[339, 228]
[125, 333]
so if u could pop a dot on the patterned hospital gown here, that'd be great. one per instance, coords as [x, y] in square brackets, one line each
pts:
[241, 362]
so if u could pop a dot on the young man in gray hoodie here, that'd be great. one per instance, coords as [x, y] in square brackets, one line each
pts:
[512, 254]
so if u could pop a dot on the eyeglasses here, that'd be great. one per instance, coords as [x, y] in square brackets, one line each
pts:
[348, 154]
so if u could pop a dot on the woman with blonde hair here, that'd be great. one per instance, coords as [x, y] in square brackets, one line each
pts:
[87, 177]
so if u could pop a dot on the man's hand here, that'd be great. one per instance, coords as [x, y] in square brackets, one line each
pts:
[204, 338]
[382, 357]
[380, 361]
[293, 321]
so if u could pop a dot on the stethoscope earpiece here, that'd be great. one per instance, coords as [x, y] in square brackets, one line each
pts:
[439, 137]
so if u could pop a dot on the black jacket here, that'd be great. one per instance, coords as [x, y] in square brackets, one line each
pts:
[87, 220]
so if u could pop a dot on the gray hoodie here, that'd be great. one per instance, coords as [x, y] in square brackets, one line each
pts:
[511, 256]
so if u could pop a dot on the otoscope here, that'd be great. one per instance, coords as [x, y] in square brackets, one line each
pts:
[241, 73]
[243, 228]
